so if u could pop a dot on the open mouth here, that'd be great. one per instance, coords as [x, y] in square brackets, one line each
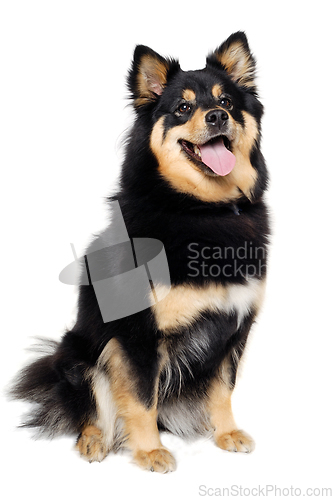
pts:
[214, 157]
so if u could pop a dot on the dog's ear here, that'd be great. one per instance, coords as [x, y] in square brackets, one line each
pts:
[149, 75]
[235, 57]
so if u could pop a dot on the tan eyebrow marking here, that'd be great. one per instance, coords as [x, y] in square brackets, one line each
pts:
[217, 90]
[188, 95]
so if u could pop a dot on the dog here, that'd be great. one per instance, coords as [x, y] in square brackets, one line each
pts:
[193, 179]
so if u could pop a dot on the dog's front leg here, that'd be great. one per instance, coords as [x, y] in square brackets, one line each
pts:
[226, 434]
[134, 394]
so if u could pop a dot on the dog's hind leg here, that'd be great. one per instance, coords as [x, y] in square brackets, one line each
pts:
[98, 436]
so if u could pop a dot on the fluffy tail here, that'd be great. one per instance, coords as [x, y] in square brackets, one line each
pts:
[59, 388]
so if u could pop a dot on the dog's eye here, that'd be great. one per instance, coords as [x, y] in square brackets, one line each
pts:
[226, 102]
[184, 108]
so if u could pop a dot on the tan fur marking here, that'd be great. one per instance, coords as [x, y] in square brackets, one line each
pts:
[219, 407]
[184, 303]
[185, 177]
[180, 172]
[226, 434]
[189, 95]
[91, 430]
[217, 90]
[244, 175]
[193, 126]
[236, 440]
[159, 460]
[91, 444]
[139, 424]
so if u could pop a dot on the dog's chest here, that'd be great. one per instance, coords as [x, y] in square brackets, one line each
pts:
[186, 303]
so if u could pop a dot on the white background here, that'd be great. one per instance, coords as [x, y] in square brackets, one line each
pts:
[63, 114]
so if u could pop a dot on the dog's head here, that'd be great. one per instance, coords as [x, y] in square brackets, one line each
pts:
[205, 124]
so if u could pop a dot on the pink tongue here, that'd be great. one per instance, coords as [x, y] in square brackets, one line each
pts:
[217, 157]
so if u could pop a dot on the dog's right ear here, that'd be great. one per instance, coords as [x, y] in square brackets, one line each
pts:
[149, 75]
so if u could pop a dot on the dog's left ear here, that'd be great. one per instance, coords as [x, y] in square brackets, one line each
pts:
[235, 57]
[149, 75]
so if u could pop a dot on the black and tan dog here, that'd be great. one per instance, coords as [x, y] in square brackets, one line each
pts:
[193, 177]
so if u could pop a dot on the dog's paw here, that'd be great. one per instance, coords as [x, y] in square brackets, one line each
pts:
[235, 441]
[159, 460]
[90, 444]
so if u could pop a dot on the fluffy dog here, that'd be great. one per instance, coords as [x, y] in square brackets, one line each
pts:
[193, 178]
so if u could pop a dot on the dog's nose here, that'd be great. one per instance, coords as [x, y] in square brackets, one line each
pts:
[217, 117]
